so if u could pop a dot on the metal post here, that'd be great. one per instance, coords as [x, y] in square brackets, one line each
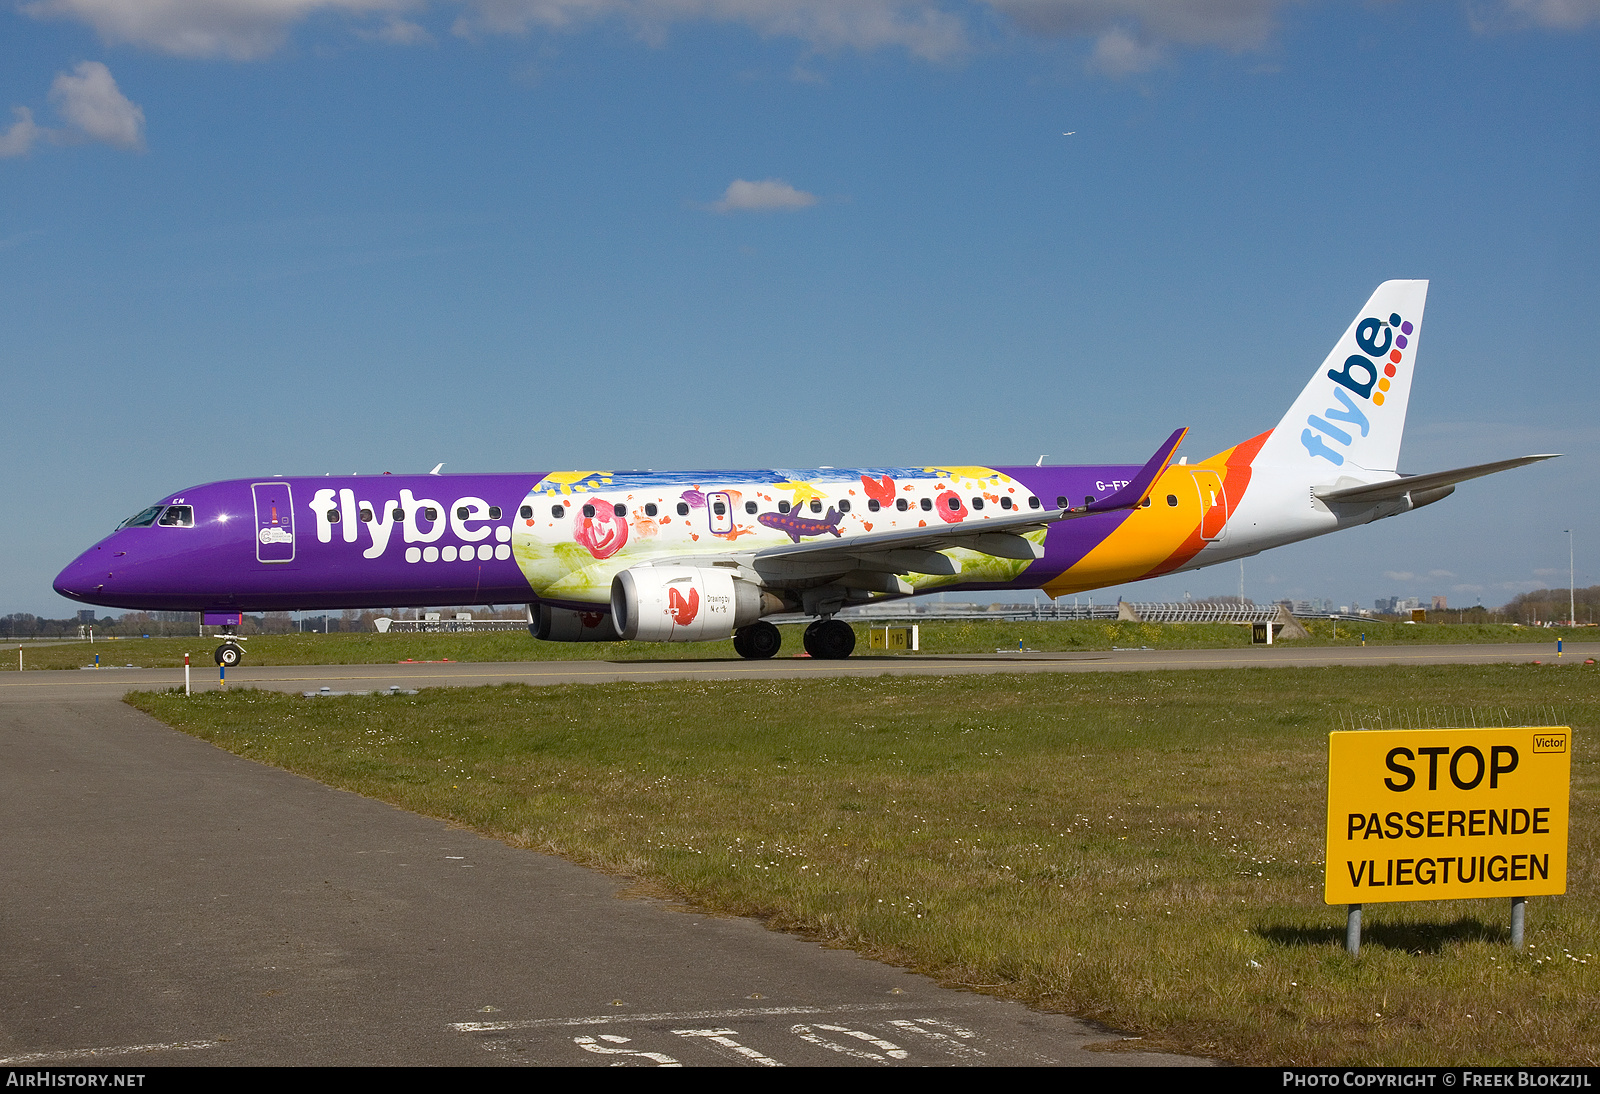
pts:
[1352, 931]
[222, 671]
[1519, 909]
[186, 674]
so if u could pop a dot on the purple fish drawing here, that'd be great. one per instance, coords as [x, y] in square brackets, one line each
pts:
[796, 526]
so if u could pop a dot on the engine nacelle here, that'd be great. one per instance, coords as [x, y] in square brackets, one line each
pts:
[684, 603]
[554, 624]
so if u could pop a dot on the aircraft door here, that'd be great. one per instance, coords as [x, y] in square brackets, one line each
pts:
[719, 511]
[1213, 505]
[274, 521]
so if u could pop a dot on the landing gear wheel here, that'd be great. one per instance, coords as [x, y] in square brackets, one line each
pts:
[758, 641]
[229, 655]
[830, 640]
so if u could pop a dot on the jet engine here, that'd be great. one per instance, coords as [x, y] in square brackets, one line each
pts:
[685, 603]
[554, 624]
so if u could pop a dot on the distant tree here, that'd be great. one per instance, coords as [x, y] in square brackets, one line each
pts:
[1551, 605]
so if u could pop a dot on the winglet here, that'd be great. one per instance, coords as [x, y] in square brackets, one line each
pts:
[1132, 496]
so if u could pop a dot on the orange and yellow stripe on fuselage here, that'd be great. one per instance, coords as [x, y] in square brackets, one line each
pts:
[1162, 538]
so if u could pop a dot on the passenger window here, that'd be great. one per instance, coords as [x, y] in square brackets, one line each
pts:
[783, 507]
[333, 517]
[844, 505]
[872, 504]
[1005, 503]
[816, 505]
[1033, 502]
[526, 512]
[558, 510]
[1172, 499]
[683, 508]
[462, 512]
[953, 502]
[901, 504]
[619, 509]
[1088, 499]
[366, 515]
[719, 509]
[927, 504]
[588, 510]
[650, 509]
[1145, 504]
[430, 513]
[750, 507]
[977, 503]
[1061, 502]
[398, 514]
[494, 512]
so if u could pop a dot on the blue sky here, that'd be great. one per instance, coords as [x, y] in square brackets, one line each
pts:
[247, 237]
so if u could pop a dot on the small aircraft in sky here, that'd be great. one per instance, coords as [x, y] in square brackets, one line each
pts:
[702, 555]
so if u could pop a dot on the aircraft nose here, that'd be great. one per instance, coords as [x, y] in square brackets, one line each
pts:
[78, 580]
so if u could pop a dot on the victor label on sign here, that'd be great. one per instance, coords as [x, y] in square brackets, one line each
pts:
[1447, 814]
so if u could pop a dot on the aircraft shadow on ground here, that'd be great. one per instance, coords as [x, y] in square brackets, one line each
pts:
[1409, 935]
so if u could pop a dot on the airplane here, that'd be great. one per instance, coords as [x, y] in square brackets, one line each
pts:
[704, 555]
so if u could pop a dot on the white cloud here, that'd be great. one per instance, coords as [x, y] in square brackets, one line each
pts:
[92, 104]
[1129, 36]
[1399, 575]
[18, 140]
[240, 29]
[1550, 14]
[768, 194]
[400, 32]
[1119, 53]
[923, 28]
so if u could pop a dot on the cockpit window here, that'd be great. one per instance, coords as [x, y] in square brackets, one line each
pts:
[177, 516]
[143, 519]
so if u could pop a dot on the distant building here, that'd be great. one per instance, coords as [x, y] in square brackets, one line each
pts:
[1438, 604]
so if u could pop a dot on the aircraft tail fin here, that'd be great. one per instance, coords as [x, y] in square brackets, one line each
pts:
[1350, 417]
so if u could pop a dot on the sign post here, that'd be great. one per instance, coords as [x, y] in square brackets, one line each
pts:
[1446, 814]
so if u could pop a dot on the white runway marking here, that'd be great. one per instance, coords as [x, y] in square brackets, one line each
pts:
[692, 1016]
[893, 1051]
[96, 1053]
[725, 1038]
[589, 1044]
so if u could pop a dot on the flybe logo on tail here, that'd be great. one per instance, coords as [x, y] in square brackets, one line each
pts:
[1368, 375]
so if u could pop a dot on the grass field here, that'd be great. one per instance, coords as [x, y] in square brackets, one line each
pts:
[1144, 849]
[949, 637]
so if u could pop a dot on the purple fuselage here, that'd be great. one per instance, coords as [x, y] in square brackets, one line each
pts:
[370, 542]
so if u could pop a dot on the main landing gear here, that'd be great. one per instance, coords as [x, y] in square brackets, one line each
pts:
[830, 640]
[757, 641]
[826, 640]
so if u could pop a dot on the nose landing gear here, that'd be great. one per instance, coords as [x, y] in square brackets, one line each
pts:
[230, 653]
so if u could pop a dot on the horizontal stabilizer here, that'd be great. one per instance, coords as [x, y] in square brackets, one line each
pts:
[1406, 484]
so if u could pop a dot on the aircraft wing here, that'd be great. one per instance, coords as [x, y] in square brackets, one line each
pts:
[916, 550]
[1437, 480]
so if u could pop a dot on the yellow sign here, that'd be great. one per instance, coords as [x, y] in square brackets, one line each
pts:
[1447, 814]
[893, 638]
